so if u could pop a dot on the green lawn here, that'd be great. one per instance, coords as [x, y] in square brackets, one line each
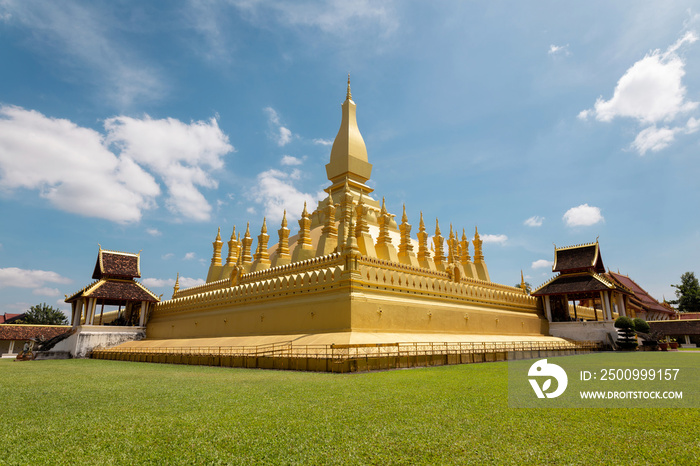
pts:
[110, 412]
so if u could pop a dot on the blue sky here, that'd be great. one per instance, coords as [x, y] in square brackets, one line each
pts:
[147, 125]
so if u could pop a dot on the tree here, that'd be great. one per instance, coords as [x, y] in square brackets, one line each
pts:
[42, 314]
[688, 293]
[528, 287]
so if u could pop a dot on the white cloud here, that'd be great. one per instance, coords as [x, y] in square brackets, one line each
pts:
[542, 263]
[167, 256]
[654, 139]
[692, 126]
[534, 221]
[158, 282]
[276, 193]
[186, 282]
[559, 50]
[46, 292]
[73, 168]
[583, 215]
[22, 278]
[153, 232]
[84, 42]
[651, 91]
[498, 239]
[323, 142]
[189, 256]
[285, 136]
[289, 160]
[184, 155]
[281, 135]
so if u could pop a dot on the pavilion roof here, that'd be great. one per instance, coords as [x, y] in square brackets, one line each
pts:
[116, 264]
[577, 283]
[115, 291]
[578, 258]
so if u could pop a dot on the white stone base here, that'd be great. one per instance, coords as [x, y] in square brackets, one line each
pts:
[80, 344]
[584, 331]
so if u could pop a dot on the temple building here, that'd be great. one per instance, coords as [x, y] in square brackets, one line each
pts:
[346, 272]
[582, 301]
[641, 304]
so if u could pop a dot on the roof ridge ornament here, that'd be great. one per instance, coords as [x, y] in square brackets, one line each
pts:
[348, 96]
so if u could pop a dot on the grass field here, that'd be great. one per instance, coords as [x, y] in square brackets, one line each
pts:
[110, 412]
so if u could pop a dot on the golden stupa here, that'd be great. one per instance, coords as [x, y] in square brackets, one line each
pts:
[351, 275]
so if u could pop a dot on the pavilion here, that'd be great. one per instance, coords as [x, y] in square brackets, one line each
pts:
[581, 277]
[115, 285]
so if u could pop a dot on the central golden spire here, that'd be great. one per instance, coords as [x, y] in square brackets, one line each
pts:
[349, 154]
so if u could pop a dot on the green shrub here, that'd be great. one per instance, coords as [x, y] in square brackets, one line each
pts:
[624, 322]
[625, 337]
[641, 325]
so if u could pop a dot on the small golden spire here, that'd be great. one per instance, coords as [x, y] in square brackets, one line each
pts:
[305, 213]
[437, 227]
[284, 218]
[522, 280]
[218, 235]
[233, 235]
[349, 94]
[176, 288]
[404, 217]
[247, 230]
[383, 207]
[264, 226]
[421, 224]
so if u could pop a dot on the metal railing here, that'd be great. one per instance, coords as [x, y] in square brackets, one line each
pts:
[354, 351]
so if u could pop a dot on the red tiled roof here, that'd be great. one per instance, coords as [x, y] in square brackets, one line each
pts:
[28, 332]
[116, 265]
[642, 296]
[8, 317]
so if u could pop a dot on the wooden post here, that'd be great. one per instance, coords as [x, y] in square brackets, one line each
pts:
[548, 308]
